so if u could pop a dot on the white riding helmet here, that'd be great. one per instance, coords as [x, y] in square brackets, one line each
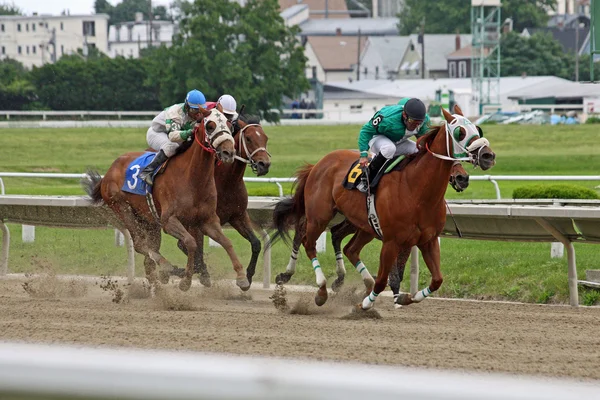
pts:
[228, 103]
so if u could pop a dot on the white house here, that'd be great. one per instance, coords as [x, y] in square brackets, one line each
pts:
[39, 39]
[128, 38]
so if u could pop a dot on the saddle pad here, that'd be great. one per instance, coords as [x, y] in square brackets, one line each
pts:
[133, 184]
[353, 177]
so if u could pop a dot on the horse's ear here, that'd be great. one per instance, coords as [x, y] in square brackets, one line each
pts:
[205, 113]
[447, 115]
[457, 110]
[219, 107]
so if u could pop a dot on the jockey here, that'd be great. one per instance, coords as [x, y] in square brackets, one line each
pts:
[173, 126]
[229, 105]
[387, 133]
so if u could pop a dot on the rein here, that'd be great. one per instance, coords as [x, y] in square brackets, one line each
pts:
[202, 128]
[244, 145]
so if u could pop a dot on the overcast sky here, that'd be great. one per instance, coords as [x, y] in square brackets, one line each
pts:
[55, 7]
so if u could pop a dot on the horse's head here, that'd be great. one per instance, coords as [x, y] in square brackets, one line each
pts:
[218, 134]
[459, 178]
[468, 140]
[252, 144]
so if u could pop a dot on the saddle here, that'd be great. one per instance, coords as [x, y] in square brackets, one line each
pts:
[354, 177]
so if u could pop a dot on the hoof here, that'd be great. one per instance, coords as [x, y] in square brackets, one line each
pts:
[243, 283]
[321, 297]
[205, 280]
[397, 306]
[404, 299]
[185, 284]
[163, 277]
[282, 278]
[337, 284]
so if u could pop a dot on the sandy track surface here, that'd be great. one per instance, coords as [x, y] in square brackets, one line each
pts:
[514, 338]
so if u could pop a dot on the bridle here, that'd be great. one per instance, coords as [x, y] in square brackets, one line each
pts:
[242, 139]
[468, 149]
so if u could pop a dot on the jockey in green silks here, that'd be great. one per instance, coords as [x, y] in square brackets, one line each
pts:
[388, 133]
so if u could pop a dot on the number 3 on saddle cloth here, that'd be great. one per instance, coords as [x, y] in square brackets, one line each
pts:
[354, 176]
[133, 184]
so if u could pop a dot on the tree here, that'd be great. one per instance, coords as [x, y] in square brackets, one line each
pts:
[449, 16]
[100, 83]
[537, 55]
[446, 16]
[125, 10]
[527, 13]
[223, 47]
[10, 9]
[584, 68]
[16, 92]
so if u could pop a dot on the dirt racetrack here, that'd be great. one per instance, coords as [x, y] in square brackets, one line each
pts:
[530, 339]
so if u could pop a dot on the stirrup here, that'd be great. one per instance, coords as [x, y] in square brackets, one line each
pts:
[147, 178]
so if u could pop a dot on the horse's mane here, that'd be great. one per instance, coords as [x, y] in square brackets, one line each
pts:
[249, 119]
[424, 140]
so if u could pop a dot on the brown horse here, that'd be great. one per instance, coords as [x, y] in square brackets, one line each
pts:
[410, 203]
[232, 195]
[185, 197]
[459, 180]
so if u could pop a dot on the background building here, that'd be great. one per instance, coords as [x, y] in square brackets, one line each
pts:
[39, 39]
[128, 38]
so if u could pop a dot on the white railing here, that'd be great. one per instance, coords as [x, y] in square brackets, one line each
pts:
[493, 179]
[38, 371]
[276, 181]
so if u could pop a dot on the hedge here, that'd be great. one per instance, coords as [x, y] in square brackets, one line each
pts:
[556, 191]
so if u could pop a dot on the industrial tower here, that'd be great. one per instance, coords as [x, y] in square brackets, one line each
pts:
[485, 57]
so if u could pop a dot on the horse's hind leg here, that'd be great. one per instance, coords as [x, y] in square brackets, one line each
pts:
[338, 233]
[396, 275]
[285, 277]
[212, 228]
[243, 225]
[352, 251]
[175, 228]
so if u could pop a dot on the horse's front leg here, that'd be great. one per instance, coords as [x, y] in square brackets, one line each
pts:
[212, 228]
[396, 275]
[387, 257]
[175, 228]
[243, 225]
[431, 256]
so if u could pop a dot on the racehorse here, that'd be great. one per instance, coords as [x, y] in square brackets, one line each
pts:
[410, 203]
[459, 180]
[232, 195]
[185, 199]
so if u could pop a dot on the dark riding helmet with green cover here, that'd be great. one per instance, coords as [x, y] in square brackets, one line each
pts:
[415, 109]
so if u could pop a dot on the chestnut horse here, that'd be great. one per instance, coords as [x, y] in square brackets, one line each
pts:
[410, 204]
[459, 180]
[232, 195]
[185, 197]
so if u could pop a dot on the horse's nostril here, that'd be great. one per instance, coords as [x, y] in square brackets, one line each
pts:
[462, 178]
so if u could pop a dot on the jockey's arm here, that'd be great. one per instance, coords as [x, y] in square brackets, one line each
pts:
[177, 133]
[366, 134]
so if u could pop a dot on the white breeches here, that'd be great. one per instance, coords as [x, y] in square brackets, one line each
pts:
[160, 141]
[382, 144]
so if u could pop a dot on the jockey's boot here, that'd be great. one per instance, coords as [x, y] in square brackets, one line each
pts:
[146, 174]
[376, 164]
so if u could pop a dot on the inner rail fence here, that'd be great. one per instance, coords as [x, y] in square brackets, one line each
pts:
[493, 179]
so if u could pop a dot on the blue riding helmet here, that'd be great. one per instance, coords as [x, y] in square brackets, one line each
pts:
[195, 99]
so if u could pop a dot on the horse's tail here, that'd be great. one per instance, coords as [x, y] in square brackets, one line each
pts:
[91, 184]
[290, 210]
